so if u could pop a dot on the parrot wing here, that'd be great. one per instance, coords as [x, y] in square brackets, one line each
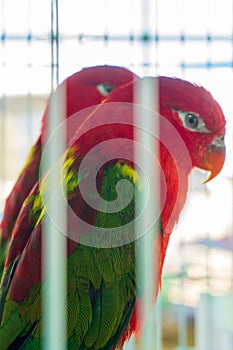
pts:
[83, 89]
[101, 290]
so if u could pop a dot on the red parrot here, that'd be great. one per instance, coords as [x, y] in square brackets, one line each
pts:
[83, 89]
[102, 292]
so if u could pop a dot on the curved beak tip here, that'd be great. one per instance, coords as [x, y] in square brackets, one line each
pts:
[210, 177]
[213, 162]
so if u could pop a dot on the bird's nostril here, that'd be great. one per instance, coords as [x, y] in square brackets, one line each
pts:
[218, 144]
[222, 138]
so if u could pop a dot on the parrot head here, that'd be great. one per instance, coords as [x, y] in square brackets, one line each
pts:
[195, 114]
[199, 120]
[90, 86]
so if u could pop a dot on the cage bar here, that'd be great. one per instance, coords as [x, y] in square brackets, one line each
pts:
[55, 223]
[146, 261]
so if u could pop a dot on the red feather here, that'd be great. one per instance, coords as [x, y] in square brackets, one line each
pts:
[81, 92]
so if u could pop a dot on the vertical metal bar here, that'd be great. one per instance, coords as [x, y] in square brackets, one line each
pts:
[158, 308]
[156, 35]
[54, 239]
[146, 33]
[158, 323]
[232, 169]
[29, 66]
[54, 44]
[3, 147]
[182, 319]
[3, 116]
[147, 262]
[182, 326]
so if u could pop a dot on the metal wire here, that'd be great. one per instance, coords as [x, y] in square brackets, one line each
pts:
[54, 241]
[146, 260]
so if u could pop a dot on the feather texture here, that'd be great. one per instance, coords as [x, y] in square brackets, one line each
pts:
[103, 295]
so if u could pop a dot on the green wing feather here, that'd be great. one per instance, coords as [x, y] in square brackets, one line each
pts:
[101, 281]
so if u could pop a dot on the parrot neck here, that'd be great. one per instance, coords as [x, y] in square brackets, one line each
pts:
[176, 178]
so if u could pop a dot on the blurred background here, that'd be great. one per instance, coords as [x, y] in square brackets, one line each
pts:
[183, 38]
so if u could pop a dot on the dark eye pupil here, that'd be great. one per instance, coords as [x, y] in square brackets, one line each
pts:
[108, 87]
[191, 120]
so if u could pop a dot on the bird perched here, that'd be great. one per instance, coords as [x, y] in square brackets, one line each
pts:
[83, 89]
[102, 301]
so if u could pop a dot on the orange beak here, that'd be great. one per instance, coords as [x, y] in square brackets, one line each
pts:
[214, 159]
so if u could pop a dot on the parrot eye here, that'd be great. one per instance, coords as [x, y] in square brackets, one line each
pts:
[105, 88]
[193, 122]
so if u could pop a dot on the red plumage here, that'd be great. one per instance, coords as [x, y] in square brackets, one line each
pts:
[83, 89]
[192, 127]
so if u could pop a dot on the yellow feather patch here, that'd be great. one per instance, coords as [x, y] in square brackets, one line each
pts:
[128, 171]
